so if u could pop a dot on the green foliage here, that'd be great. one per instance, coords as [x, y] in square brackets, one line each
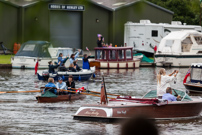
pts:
[186, 11]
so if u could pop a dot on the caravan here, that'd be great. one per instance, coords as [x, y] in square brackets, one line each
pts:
[144, 36]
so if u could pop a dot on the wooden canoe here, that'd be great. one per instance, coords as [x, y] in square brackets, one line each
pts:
[60, 98]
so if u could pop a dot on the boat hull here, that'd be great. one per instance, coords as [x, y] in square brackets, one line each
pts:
[169, 111]
[193, 87]
[60, 98]
[177, 60]
[115, 64]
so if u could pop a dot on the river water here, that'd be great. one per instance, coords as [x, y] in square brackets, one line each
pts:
[22, 115]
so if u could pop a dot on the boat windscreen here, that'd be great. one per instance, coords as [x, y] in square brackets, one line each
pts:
[153, 94]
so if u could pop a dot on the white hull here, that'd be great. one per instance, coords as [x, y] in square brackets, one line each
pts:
[177, 62]
[30, 62]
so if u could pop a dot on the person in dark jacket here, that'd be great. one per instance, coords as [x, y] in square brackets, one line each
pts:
[52, 67]
[70, 83]
[86, 64]
[62, 61]
[99, 44]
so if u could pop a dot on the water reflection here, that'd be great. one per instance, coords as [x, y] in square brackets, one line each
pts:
[21, 114]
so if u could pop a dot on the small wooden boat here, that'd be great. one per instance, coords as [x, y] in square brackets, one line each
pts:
[148, 105]
[195, 82]
[60, 98]
[114, 57]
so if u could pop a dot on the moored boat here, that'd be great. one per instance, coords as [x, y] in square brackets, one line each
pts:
[148, 105]
[195, 82]
[180, 49]
[114, 57]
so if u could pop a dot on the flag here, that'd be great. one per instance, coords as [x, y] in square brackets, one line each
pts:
[36, 67]
[103, 96]
[186, 76]
[87, 49]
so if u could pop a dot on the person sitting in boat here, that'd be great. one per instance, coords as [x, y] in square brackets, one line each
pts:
[72, 68]
[50, 86]
[163, 81]
[76, 65]
[168, 96]
[70, 83]
[73, 56]
[62, 68]
[52, 67]
[62, 61]
[86, 64]
[60, 85]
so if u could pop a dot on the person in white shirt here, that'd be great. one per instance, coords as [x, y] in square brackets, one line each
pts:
[163, 81]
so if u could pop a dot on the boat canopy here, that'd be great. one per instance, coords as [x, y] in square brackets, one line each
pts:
[153, 94]
[114, 53]
[178, 41]
[196, 72]
[34, 49]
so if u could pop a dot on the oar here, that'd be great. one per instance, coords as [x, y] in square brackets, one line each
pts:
[20, 91]
[95, 92]
[85, 93]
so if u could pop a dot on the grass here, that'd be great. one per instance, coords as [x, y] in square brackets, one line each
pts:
[5, 59]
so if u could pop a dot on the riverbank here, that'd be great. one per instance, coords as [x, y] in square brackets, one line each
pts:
[5, 61]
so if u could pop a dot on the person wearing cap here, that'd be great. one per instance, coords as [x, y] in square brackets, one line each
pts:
[70, 83]
[51, 67]
[61, 85]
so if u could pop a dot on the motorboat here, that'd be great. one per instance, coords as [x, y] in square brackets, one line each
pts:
[126, 107]
[42, 51]
[194, 84]
[82, 75]
[180, 49]
[115, 58]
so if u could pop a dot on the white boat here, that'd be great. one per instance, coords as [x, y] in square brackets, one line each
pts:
[42, 50]
[145, 35]
[180, 49]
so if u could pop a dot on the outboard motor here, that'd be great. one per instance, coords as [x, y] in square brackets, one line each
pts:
[45, 74]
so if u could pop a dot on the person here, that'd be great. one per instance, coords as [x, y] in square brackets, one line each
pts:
[99, 44]
[50, 86]
[62, 61]
[76, 65]
[70, 83]
[73, 56]
[110, 45]
[168, 96]
[51, 67]
[86, 64]
[72, 67]
[62, 68]
[61, 85]
[139, 125]
[163, 81]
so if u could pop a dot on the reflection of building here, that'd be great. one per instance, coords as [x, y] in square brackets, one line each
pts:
[72, 23]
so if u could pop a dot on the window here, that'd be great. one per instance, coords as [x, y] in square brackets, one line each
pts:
[128, 54]
[121, 54]
[29, 47]
[196, 74]
[154, 33]
[112, 54]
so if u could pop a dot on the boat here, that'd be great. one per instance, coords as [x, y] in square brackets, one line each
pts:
[82, 75]
[43, 51]
[127, 107]
[143, 36]
[60, 98]
[114, 58]
[180, 49]
[195, 82]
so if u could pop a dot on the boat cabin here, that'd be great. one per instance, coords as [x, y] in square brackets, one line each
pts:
[113, 53]
[196, 73]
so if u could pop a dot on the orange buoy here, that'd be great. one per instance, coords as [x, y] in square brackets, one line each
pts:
[15, 48]
[18, 46]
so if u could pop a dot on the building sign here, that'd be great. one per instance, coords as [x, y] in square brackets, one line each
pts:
[66, 7]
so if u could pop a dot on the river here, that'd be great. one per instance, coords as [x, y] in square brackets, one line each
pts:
[22, 115]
